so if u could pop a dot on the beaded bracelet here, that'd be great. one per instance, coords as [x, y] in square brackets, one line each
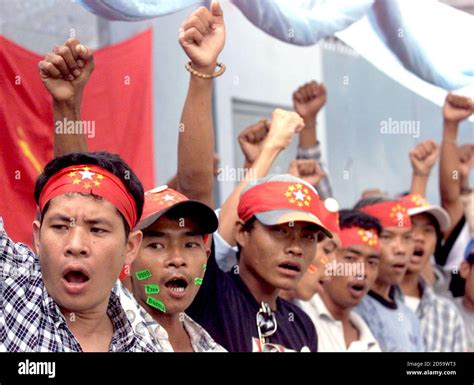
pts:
[205, 76]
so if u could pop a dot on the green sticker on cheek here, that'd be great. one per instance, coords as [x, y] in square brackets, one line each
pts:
[198, 281]
[156, 304]
[152, 289]
[144, 274]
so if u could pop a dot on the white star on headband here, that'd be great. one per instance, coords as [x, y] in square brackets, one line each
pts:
[168, 198]
[87, 174]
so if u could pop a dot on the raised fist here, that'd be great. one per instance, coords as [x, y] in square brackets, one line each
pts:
[66, 70]
[202, 36]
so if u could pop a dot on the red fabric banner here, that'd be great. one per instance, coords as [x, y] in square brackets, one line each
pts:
[117, 108]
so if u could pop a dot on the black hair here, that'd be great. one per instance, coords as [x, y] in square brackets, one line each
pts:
[369, 201]
[248, 226]
[110, 162]
[355, 218]
[439, 234]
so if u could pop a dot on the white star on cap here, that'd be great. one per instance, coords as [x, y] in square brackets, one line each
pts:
[168, 198]
[299, 196]
[87, 174]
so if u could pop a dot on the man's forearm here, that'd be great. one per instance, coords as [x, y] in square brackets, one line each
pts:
[196, 142]
[308, 136]
[64, 143]
[449, 175]
[419, 183]
[449, 178]
[228, 214]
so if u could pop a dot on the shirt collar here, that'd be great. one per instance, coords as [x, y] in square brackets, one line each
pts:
[123, 337]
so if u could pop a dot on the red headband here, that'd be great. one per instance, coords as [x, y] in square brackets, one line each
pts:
[270, 196]
[358, 236]
[91, 179]
[390, 214]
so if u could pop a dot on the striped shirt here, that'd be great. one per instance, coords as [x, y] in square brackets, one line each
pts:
[30, 319]
[441, 324]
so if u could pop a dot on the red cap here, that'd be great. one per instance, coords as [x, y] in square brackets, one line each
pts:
[279, 199]
[329, 214]
[162, 199]
[417, 204]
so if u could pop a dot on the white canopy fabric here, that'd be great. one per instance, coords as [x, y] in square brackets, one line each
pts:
[424, 45]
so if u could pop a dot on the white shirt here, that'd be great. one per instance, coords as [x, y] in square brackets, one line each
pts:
[156, 335]
[226, 255]
[412, 302]
[330, 331]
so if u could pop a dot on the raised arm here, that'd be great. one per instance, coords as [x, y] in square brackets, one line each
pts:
[202, 37]
[422, 157]
[456, 109]
[284, 125]
[308, 100]
[65, 72]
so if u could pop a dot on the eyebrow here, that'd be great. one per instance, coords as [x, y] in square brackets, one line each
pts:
[351, 250]
[153, 233]
[93, 221]
[59, 217]
[98, 221]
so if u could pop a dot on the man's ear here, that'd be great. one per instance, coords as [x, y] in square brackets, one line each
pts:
[36, 235]
[464, 270]
[240, 233]
[133, 246]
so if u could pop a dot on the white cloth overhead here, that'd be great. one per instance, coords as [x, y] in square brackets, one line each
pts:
[423, 44]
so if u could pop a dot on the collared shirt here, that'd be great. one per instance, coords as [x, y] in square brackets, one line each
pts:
[330, 331]
[31, 321]
[468, 317]
[146, 326]
[393, 324]
[324, 186]
[441, 324]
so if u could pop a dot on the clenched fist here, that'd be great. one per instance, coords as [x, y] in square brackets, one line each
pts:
[66, 70]
[423, 157]
[457, 108]
[309, 99]
[284, 125]
[252, 138]
[202, 36]
[307, 169]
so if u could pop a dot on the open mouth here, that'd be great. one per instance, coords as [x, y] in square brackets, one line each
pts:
[418, 252]
[357, 289]
[76, 276]
[75, 280]
[290, 266]
[177, 285]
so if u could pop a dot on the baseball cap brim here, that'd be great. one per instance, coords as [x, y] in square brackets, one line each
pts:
[278, 217]
[202, 215]
[438, 212]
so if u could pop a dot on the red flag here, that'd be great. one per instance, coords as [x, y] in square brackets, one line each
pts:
[117, 109]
